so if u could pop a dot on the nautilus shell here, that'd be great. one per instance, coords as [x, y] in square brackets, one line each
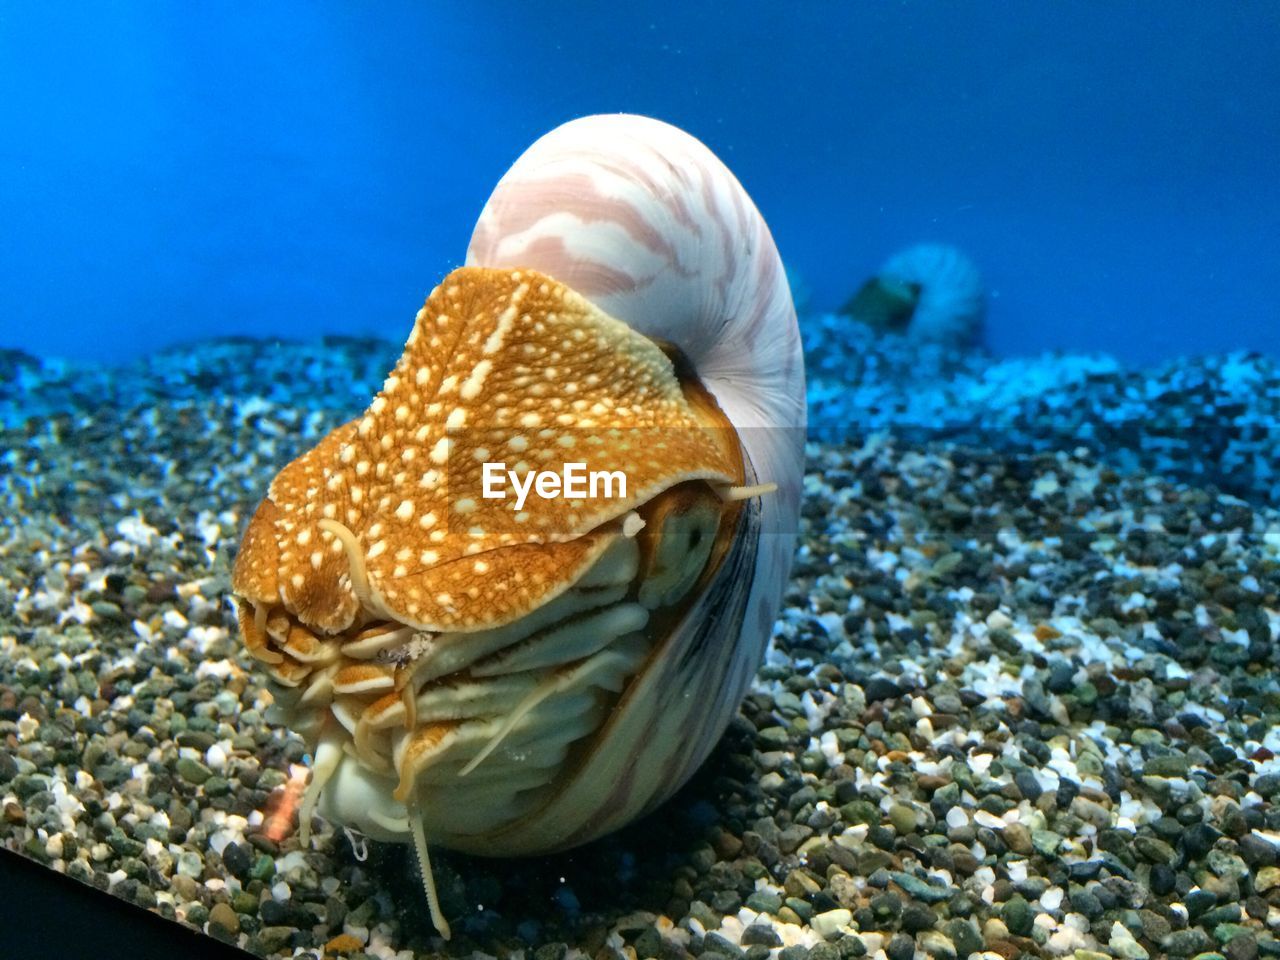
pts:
[930, 292]
[505, 676]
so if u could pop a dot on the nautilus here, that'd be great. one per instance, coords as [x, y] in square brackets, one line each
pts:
[507, 681]
[930, 292]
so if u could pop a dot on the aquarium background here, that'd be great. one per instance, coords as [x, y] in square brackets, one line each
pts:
[171, 172]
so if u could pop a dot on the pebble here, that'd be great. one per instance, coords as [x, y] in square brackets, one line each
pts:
[1122, 944]
[223, 922]
[1266, 879]
[763, 935]
[193, 771]
[881, 688]
[900, 947]
[903, 818]
[237, 859]
[828, 923]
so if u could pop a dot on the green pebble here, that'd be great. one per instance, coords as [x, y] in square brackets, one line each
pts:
[903, 818]
[363, 915]
[762, 901]
[649, 943]
[123, 845]
[193, 771]
[703, 859]
[34, 848]
[709, 919]
[1046, 842]
[801, 908]
[873, 859]
[1017, 915]
[1226, 932]
[964, 935]
[773, 738]
[753, 869]
[264, 868]
[919, 889]
[107, 610]
[273, 939]
[196, 739]
[1188, 942]
[1167, 766]
[788, 703]
[1227, 913]
[1226, 865]
[860, 811]
[1155, 850]
[271, 778]
[1089, 763]
[948, 795]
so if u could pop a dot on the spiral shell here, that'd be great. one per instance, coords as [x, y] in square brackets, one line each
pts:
[511, 680]
[931, 292]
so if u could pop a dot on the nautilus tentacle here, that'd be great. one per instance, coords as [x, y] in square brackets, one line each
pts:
[515, 676]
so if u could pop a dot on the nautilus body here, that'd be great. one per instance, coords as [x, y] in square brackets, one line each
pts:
[512, 675]
[929, 292]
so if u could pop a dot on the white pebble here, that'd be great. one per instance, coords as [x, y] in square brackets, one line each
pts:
[215, 669]
[984, 818]
[216, 757]
[956, 817]
[137, 531]
[173, 618]
[828, 924]
[1269, 836]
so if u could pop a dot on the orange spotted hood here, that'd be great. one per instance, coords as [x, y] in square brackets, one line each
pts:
[387, 512]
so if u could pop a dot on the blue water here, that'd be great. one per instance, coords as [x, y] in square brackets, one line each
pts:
[169, 172]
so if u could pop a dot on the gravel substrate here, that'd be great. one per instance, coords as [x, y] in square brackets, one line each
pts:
[1019, 703]
[1211, 420]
